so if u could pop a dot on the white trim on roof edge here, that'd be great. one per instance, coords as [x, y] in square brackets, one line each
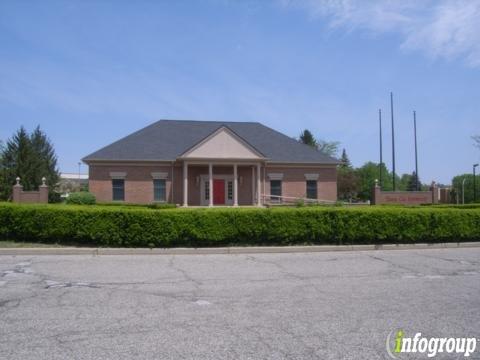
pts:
[223, 143]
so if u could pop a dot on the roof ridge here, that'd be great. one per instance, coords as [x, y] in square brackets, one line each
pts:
[211, 121]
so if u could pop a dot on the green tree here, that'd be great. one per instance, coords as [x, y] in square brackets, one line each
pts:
[347, 184]
[307, 138]
[347, 179]
[457, 185]
[45, 160]
[405, 179]
[2, 172]
[329, 148]
[29, 157]
[414, 183]
[367, 174]
[345, 161]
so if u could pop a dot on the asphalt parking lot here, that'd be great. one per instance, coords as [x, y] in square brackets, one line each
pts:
[250, 306]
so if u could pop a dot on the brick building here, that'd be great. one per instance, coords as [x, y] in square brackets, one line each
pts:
[178, 162]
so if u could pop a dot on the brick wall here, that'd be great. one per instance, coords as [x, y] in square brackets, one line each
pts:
[20, 196]
[139, 182]
[294, 182]
[405, 197]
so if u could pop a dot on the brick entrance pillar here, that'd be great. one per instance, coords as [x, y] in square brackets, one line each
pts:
[434, 190]
[17, 191]
[43, 192]
[376, 193]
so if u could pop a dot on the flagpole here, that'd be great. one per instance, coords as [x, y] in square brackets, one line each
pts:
[381, 146]
[393, 143]
[416, 154]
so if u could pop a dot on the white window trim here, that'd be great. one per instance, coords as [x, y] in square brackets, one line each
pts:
[118, 175]
[160, 175]
[275, 176]
[166, 194]
[311, 177]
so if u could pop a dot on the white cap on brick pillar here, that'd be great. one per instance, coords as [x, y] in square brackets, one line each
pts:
[17, 191]
[43, 191]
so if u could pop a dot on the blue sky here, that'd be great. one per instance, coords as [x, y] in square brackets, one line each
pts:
[90, 72]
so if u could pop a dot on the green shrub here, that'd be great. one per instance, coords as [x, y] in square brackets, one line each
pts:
[161, 206]
[143, 227]
[157, 206]
[299, 203]
[81, 198]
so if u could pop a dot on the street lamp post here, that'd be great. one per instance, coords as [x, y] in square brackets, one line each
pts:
[474, 184]
[463, 191]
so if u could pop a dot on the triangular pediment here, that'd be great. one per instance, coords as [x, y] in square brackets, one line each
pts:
[222, 144]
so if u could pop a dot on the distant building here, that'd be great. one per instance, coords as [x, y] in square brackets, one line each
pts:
[71, 182]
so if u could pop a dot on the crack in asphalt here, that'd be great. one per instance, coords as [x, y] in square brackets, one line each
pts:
[281, 268]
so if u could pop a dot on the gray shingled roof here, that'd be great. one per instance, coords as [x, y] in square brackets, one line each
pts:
[168, 139]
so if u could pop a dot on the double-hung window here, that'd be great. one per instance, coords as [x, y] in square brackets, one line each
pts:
[159, 190]
[118, 189]
[276, 190]
[312, 189]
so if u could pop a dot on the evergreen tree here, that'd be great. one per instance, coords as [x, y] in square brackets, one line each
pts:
[345, 161]
[347, 184]
[30, 158]
[347, 179]
[45, 159]
[413, 183]
[307, 138]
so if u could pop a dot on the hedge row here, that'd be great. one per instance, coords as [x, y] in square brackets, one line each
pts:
[142, 227]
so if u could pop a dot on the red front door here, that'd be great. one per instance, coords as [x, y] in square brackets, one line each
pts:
[218, 192]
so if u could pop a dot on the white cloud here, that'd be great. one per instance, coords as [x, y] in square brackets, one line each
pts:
[446, 29]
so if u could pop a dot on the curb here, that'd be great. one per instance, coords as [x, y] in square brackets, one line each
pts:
[229, 250]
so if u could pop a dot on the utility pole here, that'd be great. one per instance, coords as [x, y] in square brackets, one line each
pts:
[416, 155]
[393, 142]
[381, 146]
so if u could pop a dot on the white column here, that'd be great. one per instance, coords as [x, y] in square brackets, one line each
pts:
[235, 185]
[253, 185]
[185, 184]
[210, 184]
[259, 196]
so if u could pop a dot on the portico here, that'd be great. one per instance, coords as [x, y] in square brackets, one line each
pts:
[218, 183]
[223, 148]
